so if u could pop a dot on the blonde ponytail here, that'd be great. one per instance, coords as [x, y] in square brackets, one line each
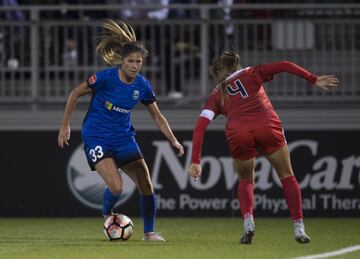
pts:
[113, 41]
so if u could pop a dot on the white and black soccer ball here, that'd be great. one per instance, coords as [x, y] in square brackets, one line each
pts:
[118, 227]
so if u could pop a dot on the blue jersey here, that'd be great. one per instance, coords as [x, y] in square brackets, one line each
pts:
[108, 116]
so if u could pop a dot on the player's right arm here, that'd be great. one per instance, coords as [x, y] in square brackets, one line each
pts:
[64, 131]
[210, 111]
[202, 123]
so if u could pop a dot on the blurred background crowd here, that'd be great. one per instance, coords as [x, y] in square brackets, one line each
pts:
[53, 43]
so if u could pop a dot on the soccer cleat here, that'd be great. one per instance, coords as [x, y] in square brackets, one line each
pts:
[249, 231]
[108, 215]
[153, 237]
[300, 236]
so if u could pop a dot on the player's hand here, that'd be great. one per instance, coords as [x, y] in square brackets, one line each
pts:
[194, 171]
[179, 147]
[64, 136]
[327, 82]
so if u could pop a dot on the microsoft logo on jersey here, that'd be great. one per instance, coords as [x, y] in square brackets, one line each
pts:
[111, 107]
[108, 105]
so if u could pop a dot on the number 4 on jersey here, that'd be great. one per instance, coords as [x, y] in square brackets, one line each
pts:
[237, 89]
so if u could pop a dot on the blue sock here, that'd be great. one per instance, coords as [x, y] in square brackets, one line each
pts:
[148, 211]
[109, 201]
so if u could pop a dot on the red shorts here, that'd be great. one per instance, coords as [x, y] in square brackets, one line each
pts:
[265, 140]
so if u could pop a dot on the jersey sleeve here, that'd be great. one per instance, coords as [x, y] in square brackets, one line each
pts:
[95, 81]
[212, 103]
[267, 71]
[149, 96]
[197, 139]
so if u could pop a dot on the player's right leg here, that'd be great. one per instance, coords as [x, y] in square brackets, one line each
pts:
[280, 160]
[245, 170]
[108, 170]
[299, 232]
[100, 158]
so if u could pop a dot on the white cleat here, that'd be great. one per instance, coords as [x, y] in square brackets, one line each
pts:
[153, 237]
[249, 231]
[108, 215]
[300, 236]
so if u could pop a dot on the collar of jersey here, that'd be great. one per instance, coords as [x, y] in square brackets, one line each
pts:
[129, 84]
[236, 73]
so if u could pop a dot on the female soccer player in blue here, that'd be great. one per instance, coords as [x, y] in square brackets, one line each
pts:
[107, 132]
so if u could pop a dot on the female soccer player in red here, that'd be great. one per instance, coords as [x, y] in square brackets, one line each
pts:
[252, 126]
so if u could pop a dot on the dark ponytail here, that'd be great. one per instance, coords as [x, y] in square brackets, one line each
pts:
[221, 67]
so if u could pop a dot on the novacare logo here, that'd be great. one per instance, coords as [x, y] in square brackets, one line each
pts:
[327, 173]
[87, 186]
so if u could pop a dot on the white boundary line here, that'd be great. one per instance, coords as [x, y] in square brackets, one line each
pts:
[334, 253]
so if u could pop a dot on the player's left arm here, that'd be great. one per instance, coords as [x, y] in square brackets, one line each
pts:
[164, 126]
[324, 82]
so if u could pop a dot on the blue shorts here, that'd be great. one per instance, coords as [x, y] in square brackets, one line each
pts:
[123, 151]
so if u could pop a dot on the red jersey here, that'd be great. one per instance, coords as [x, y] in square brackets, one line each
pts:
[248, 107]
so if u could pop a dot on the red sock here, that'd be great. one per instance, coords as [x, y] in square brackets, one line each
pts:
[292, 194]
[245, 193]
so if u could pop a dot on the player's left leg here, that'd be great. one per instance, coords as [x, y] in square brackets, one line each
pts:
[245, 192]
[243, 150]
[139, 173]
[280, 160]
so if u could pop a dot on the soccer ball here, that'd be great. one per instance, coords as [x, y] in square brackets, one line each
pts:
[118, 227]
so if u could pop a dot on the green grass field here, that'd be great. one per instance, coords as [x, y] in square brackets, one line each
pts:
[187, 238]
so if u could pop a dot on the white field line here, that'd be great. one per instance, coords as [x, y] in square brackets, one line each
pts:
[330, 254]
